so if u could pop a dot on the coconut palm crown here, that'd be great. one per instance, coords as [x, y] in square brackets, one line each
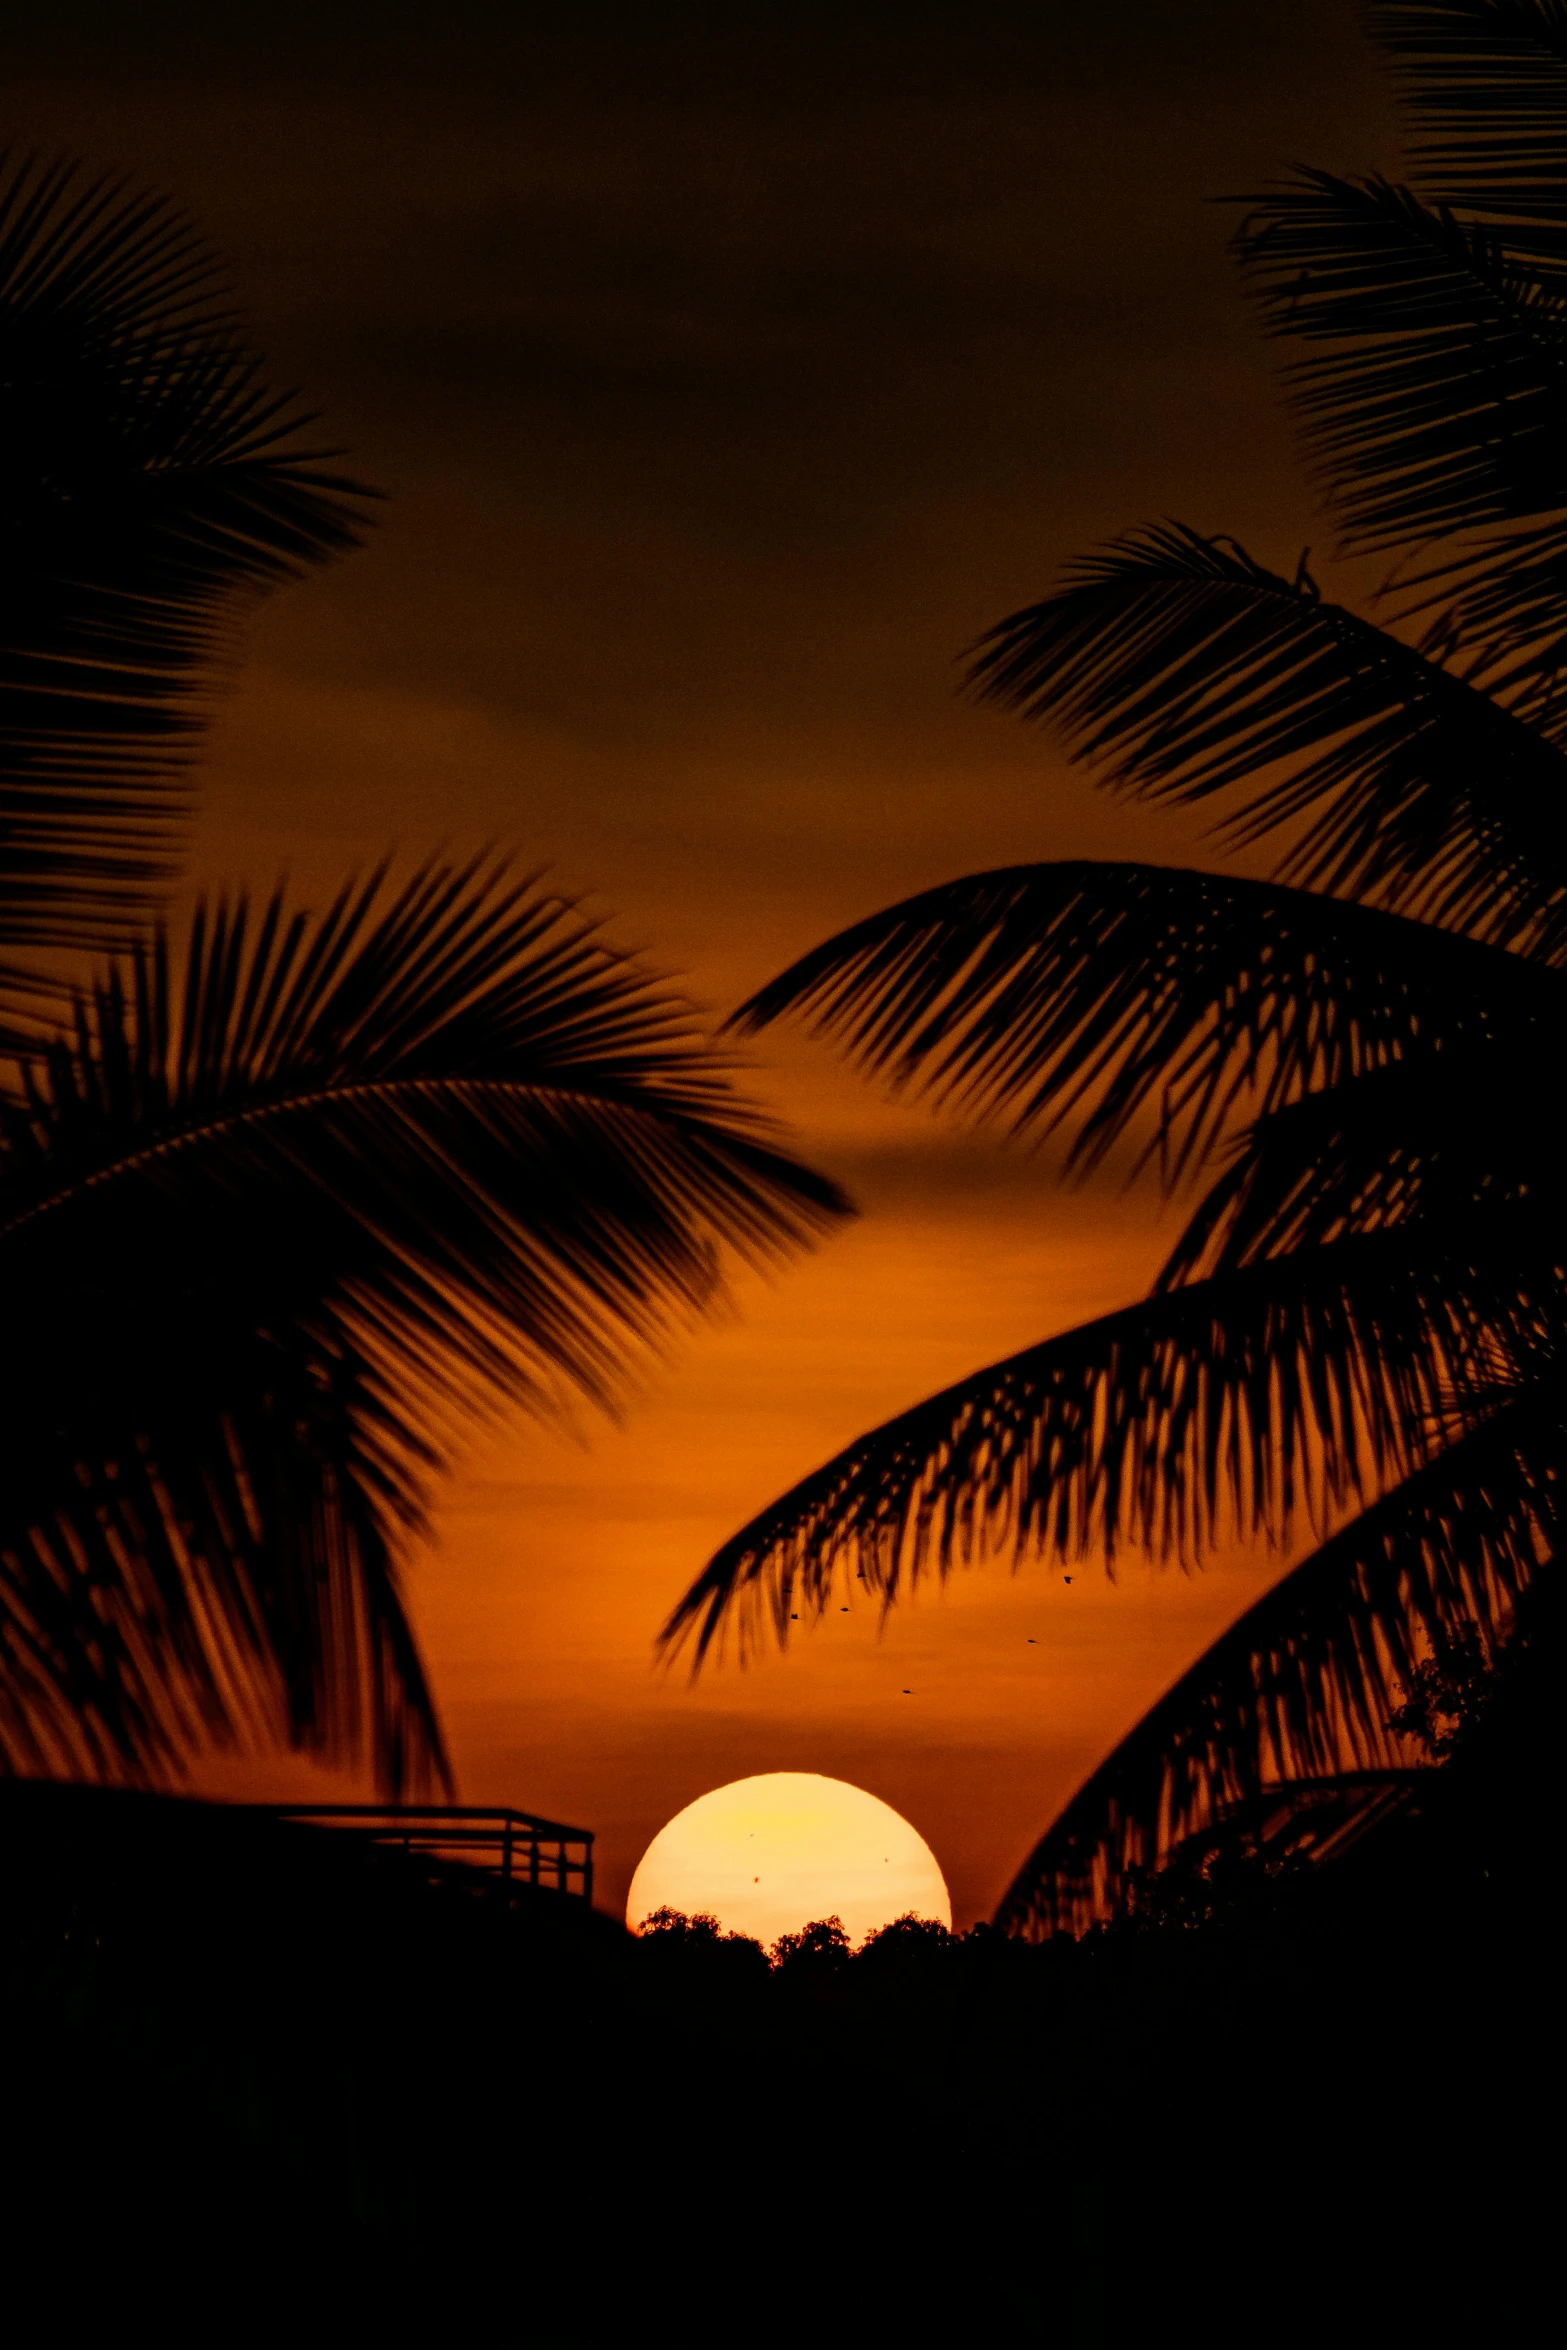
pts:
[288, 1196]
[1362, 1325]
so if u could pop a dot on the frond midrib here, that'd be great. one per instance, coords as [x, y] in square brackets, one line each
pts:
[213, 1128]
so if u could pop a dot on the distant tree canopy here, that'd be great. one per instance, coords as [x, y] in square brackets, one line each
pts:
[905, 1936]
[823, 1945]
[819, 1946]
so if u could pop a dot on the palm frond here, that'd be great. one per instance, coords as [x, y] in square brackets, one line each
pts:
[275, 1218]
[1207, 1413]
[1083, 994]
[1303, 1686]
[153, 483]
[1183, 669]
[1505, 606]
[1459, 1138]
[1440, 402]
[1437, 411]
[1486, 84]
[213, 1560]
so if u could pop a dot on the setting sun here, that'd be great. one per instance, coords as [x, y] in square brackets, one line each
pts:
[767, 1855]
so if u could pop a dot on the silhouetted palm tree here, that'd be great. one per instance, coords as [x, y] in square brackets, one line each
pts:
[1363, 1320]
[285, 1203]
[151, 486]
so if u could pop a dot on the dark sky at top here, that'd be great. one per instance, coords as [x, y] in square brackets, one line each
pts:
[729, 369]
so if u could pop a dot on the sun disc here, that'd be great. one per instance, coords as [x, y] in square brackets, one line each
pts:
[768, 1855]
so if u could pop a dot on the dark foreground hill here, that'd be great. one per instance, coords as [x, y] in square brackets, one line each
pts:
[265, 2082]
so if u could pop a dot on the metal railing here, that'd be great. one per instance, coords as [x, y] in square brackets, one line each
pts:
[511, 1845]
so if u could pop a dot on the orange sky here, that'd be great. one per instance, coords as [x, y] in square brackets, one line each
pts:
[729, 371]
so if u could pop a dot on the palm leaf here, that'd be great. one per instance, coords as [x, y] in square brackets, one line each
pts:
[212, 1560]
[274, 1225]
[1438, 407]
[153, 485]
[1486, 83]
[1183, 669]
[1206, 1413]
[1087, 993]
[1456, 1139]
[1507, 607]
[1303, 1686]
[1440, 401]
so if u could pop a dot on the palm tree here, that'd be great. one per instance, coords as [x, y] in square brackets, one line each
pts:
[287, 1201]
[152, 489]
[1362, 1323]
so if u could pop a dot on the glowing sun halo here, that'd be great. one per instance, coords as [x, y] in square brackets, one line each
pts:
[767, 1855]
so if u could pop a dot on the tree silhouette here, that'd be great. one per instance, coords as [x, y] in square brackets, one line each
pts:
[909, 1932]
[1362, 1321]
[152, 488]
[818, 1951]
[289, 1199]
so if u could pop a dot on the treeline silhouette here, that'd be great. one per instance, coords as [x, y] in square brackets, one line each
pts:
[822, 1946]
[267, 2069]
